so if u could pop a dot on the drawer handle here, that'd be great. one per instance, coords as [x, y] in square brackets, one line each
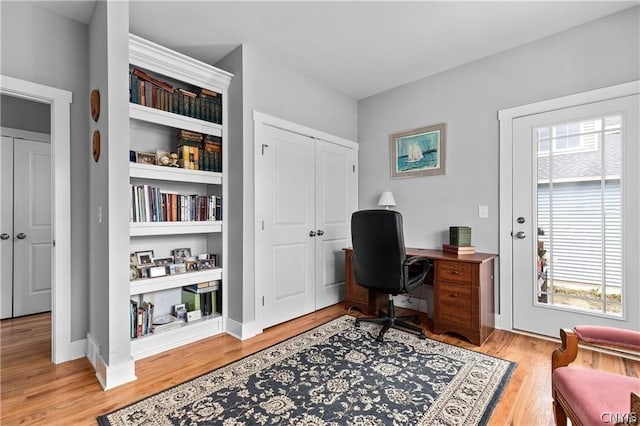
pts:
[455, 272]
[454, 294]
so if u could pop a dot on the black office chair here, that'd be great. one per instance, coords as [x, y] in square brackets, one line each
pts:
[381, 264]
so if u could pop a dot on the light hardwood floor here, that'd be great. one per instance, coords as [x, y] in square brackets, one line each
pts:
[36, 392]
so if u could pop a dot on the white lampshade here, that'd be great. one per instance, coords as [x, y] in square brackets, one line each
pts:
[387, 200]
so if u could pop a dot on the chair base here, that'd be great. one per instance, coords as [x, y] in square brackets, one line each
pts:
[390, 320]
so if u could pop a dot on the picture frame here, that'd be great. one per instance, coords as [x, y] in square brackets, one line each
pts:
[144, 257]
[146, 158]
[419, 152]
[180, 254]
[162, 157]
[157, 271]
[163, 261]
[204, 264]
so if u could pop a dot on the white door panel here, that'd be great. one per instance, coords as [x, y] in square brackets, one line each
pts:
[534, 306]
[33, 248]
[284, 249]
[6, 226]
[335, 195]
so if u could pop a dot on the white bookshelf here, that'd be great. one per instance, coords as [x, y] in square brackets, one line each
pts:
[154, 129]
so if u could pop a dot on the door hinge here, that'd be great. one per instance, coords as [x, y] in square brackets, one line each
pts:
[262, 300]
[263, 225]
[354, 168]
[54, 243]
[264, 145]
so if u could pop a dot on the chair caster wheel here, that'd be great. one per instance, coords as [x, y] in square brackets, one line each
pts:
[379, 339]
[422, 336]
[357, 324]
[417, 321]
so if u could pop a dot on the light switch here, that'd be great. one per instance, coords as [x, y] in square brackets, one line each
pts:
[483, 212]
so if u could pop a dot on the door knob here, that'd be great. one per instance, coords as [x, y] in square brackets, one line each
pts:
[320, 232]
[4, 236]
[312, 233]
[521, 235]
[21, 236]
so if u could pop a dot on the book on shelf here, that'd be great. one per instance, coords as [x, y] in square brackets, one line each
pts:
[205, 302]
[146, 77]
[448, 248]
[140, 318]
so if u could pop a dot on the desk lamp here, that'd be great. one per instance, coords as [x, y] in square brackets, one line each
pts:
[387, 200]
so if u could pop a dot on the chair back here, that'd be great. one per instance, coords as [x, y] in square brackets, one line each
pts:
[378, 250]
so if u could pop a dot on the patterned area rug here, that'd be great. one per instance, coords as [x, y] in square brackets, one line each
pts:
[335, 374]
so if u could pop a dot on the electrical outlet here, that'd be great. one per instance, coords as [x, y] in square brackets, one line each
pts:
[483, 212]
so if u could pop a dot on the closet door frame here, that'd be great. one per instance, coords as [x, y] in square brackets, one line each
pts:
[62, 349]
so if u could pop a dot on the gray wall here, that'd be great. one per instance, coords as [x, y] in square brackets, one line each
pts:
[17, 113]
[45, 48]
[273, 89]
[598, 54]
[233, 144]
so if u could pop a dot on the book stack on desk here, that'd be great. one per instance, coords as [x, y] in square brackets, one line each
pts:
[459, 250]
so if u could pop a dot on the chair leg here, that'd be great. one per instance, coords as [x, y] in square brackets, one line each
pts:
[389, 320]
[559, 414]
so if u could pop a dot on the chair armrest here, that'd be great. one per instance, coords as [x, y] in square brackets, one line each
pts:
[609, 336]
[415, 260]
[568, 350]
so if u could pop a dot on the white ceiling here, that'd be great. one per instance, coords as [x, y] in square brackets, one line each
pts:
[359, 48]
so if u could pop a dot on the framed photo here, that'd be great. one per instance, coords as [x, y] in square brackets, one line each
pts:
[157, 271]
[146, 157]
[180, 254]
[205, 264]
[144, 257]
[418, 152]
[163, 261]
[162, 157]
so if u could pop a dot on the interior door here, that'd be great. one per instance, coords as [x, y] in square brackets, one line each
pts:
[32, 233]
[576, 205]
[6, 227]
[335, 201]
[285, 244]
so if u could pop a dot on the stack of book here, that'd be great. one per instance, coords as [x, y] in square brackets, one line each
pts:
[203, 296]
[459, 250]
[199, 152]
[145, 89]
[165, 323]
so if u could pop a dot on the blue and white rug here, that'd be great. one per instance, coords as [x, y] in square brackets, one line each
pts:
[335, 374]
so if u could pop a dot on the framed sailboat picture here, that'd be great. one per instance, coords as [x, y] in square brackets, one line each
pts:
[418, 152]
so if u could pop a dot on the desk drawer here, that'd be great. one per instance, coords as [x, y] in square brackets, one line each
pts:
[455, 304]
[453, 271]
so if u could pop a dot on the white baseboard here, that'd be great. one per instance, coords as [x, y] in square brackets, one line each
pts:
[111, 376]
[242, 331]
[78, 349]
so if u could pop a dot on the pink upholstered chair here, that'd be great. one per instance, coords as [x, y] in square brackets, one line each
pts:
[592, 397]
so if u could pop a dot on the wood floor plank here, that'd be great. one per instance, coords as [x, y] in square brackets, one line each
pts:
[36, 392]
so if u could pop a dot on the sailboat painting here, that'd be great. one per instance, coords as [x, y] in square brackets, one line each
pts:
[418, 152]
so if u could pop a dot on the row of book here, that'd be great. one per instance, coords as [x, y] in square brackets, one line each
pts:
[140, 316]
[147, 90]
[149, 204]
[197, 151]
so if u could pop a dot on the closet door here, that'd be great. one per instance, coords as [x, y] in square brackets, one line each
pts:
[335, 201]
[285, 246]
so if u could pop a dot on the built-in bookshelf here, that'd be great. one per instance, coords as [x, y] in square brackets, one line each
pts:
[156, 125]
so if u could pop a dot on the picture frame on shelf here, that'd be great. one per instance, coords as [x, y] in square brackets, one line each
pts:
[418, 152]
[204, 264]
[144, 257]
[157, 271]
[143, 271]
[180, 254]
[162, 157]
[163, 261]
[146, 158]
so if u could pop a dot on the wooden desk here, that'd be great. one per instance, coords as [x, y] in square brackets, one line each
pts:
[462, 292]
